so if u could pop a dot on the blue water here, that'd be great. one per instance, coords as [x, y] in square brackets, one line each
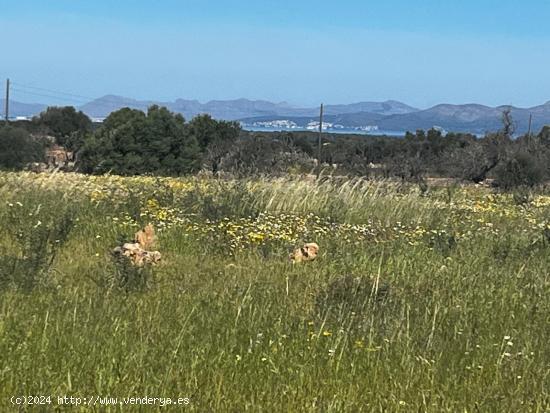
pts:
[339, 131]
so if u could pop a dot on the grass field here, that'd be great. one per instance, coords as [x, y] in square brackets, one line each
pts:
[434, 301]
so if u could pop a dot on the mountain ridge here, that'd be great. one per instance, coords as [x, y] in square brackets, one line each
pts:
[390, 115]
[473, 118]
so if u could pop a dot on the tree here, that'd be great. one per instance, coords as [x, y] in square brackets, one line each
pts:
[68, 126]
[17, 148]
[544, 136]
[170, 147]
[478, 160]
[131, 142]
[215, 138]
[508, 126]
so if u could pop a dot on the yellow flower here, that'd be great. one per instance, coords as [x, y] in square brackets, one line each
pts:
[152, 204]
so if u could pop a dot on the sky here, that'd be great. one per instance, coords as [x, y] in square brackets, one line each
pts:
[303, 52]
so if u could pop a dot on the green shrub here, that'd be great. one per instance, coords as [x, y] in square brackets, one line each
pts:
[521, 169]
[17, 148]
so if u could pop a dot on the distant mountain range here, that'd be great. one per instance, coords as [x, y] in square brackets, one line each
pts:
[385, 116]
[240, 108]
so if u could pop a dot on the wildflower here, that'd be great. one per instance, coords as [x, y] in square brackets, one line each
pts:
[327, 333]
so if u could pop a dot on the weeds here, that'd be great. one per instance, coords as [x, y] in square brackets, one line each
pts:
[36, 237]
[128, 277]
[351, 302]
[433, 302]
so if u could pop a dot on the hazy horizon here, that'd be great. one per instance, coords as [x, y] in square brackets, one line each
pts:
[67, 102]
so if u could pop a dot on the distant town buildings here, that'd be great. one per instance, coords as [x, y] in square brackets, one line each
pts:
[286, 124]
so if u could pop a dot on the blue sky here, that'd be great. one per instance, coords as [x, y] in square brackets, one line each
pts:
[303, 52]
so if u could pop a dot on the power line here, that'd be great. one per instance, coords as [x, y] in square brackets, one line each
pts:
[48, 95]
[63, 96]
[104, 103]
[78, 100]
[51, 90]
[7, 101]
[320, 132]
[82, 97]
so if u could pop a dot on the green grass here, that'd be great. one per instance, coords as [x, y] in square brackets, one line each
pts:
[465, 326]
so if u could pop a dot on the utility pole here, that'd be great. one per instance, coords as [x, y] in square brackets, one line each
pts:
[7, 101]
[320, 133]
[529, 130]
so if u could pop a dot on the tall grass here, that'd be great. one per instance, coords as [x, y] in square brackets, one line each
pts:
[461, 327]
